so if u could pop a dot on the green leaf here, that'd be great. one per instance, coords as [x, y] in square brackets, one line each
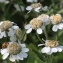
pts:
[33, 57]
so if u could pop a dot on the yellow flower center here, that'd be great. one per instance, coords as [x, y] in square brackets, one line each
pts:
[36, 5]
[51, 43]
[55, 19]
[35, 23]
[5, 25]
[14, 48]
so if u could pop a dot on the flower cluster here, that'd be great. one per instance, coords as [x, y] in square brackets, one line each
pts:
[38, 23]
[15, 50]
[8, 28]
[36, 7]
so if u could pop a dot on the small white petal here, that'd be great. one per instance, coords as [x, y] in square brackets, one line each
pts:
[5, 56]
[15, 27]
[54, 50]
[23, 45]
[39, 30]
[32, 1]
[60, 26]
[59, 49]
[3, 34]
[41, 44]
[20, 57]
[29, 30]
[13, 38]
[45, 50]
[25, 49]
[37, 9]
[3, 51]
[12, 58]
[11, 33]
[27, 26]
[29, 8]
[49, 53]
[55, 28]
[23, 55]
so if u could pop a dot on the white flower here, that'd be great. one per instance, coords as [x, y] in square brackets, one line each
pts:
[15, 51]
[36, 25]
[44, 18]
[56, 20]
[19, 8]
[14, 33]
[51, 46]
[4, 1]
[4, 26]
[31, 1]
[36, 7]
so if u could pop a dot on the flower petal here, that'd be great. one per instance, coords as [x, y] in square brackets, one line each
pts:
[45, 50]
[10, 33]
[5, 56]
[25, 49]
[23, 45]
[59, 49]
[37, 9]
[29, 8]
[23, 55]
[3, 51]
[27, 26]
[13, 38]
[55, 28]
[29, 30]
[41, 44]
[20, 57]
[15, 27]
[60, 26]
[54, 50]
[39, 30]
[2, 34]
[12, 58]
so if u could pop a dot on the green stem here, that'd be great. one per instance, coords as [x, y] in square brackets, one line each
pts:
[57, 36]
[45, 32]
[49, 59]
[39, 38]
